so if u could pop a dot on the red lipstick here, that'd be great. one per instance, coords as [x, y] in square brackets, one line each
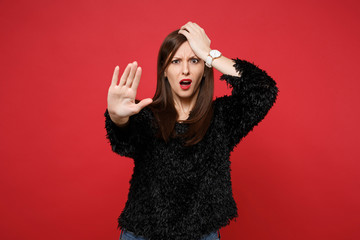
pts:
[185, 83]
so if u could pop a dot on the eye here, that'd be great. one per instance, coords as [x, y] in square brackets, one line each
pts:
[194, 60]
[175, 61]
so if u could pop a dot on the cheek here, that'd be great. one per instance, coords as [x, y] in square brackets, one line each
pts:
[172, 80]
[171, 72]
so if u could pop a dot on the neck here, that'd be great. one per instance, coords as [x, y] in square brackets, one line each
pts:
[185, 105]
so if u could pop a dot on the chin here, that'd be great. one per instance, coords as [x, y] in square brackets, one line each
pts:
[186, 95]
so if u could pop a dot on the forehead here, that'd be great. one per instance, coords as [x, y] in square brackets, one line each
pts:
[184, 50]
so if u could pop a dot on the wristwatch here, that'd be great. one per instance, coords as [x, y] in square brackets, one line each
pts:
[210, 58]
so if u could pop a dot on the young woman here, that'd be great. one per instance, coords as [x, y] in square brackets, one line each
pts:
[181, 139]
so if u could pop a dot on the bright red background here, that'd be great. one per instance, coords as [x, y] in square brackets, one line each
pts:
[294, 177]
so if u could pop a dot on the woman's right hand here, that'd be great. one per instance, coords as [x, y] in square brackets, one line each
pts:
[121, 97]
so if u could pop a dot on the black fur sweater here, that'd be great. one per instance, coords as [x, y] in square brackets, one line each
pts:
[182, 193]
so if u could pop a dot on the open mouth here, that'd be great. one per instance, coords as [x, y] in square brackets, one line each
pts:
[185, 83]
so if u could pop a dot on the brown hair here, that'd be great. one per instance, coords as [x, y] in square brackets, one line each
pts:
[163, 103]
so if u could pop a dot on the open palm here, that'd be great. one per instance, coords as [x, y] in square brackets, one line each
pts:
[121, 97]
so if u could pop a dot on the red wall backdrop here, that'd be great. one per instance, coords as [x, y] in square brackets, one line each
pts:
[294, 177]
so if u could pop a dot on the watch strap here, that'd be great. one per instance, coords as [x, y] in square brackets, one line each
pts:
[208, 62]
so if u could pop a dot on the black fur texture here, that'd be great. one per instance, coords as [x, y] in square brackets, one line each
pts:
[182, 193]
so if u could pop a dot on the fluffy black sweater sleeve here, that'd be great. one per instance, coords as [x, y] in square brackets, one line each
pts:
[127, 139]
[253, 94]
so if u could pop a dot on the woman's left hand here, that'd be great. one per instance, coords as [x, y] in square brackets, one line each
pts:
[198, 40]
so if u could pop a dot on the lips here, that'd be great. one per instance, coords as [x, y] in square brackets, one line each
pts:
[185, 83]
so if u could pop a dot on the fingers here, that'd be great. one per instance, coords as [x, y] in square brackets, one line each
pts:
[136, 81]
[143, 103]
[198, 40]
[128, 75]
[131, 76]
[191, 31]
[185, 33]
[192, 27]
[125, 75]
[198, 27]
[115, 76]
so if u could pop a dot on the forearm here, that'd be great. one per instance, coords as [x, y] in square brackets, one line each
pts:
[223, 64]
[123, 140]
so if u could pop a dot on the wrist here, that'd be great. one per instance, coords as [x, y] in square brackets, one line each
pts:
[213, 54]
[119, 121]
[205, 54]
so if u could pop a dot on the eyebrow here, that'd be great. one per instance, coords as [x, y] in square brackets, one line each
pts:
[193, 56]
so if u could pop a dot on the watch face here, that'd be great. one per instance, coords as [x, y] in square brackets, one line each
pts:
[215, 53]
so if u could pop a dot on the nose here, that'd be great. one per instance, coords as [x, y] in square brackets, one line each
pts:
[185, 68]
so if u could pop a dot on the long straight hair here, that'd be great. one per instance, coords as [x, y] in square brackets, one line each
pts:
[163, 105]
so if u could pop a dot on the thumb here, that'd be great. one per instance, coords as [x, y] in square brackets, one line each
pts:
[143, 103]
